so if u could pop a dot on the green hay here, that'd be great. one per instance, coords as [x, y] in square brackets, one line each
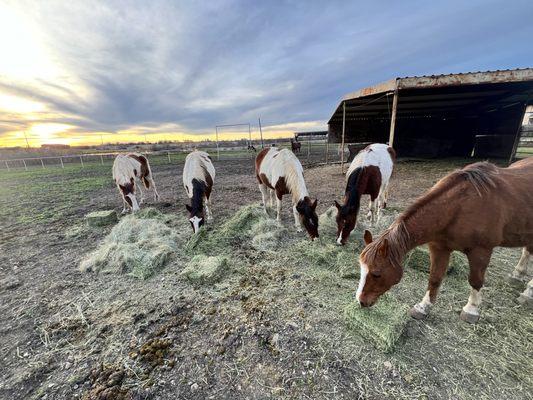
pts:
[419, 259]
[382, 324]
[101, 218]
[324, 253]
[205, 270]
[136, 246]
[267, 235]
[327, 224]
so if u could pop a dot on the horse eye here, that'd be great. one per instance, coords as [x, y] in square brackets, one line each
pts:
[375, 274]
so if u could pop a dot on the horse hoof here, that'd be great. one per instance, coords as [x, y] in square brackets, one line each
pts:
[525, 300]
[516, 281]
[417, 314]
[470, 318]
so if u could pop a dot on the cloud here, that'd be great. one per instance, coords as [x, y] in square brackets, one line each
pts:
[127, 65]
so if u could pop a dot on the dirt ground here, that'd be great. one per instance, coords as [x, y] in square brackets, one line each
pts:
[270, 331]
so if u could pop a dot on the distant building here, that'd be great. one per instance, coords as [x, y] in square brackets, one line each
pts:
[55, 146]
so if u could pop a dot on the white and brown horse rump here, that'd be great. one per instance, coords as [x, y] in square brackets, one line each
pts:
[198, 180]
[471, 210]
[127, 168]
[369, 173]
[280, 172]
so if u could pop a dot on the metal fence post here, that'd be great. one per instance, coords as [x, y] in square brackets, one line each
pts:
[7, 166]
[81, 159]
[61, 159]
[24, 162]
[42, 163]
[168, 155]
[101, 159]
[308, 149]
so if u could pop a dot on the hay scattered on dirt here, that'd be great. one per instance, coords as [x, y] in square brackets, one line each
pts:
[327, 224]
[136, 246]
[419, 259]
[204, 269]
[267, 235]
[383, 324]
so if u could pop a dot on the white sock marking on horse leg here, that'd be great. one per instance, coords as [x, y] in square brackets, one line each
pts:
[425, 305]
[207, 210]
[521, 268]
[474, 301]
[362, 281]
[339, 239]
[135, 205]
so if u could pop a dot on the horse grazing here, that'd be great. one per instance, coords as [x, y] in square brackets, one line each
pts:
[251, 147]
[295, 145]
[127, 168]
[198, 179]
[369, 173]
[471, 210]
[280, 171]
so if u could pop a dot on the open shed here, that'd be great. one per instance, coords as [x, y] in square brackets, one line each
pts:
[475, 113]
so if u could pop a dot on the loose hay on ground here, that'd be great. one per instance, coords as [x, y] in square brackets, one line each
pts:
[419, 259]
[204, 269]
[101, 218]
[136, 246]
[383, 324]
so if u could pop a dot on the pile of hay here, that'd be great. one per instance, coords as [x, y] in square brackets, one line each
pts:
[382, 324]
[418, 259]
[327, 225]
[204, 269]
[267, 234]
[136, 246]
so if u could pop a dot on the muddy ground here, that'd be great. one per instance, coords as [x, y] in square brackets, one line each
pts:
[272, 331]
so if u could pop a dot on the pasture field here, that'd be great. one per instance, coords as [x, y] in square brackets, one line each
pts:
[272, 326]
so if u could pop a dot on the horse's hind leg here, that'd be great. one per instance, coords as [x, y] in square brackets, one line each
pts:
[141, 192]
[520, 272]
[271, 193]
[152, 183]
[526, 297]
[440, 258]
[478, 259]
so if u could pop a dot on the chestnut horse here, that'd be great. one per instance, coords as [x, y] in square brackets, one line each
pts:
[369, 173]
[471, 210]
[295, 145]
[127, 168]
[198, 179]
[280, 171]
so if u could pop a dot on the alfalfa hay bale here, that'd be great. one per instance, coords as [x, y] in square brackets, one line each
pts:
[419, 259]
[101, 218]
[382, 324]
[204, 269]
[137, 247]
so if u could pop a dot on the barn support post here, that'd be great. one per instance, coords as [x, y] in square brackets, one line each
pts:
[327, 148]
[218, 148]
[343, 131]
[261, 133]
[25, 166]
[518, 133]
[393, 116]
[61, 160]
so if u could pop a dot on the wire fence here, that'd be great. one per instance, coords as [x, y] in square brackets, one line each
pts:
[310, 152]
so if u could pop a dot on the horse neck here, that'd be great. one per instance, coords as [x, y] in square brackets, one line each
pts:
[197, 199]
[352, 195]
[295, 183]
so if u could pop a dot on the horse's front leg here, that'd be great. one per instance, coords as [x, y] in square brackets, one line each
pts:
[271, 193]
[439, 258]
[297, 222]
[264, 190]
[478, 258]
[124, 206]
[278, 208]
[207, 210]
[520, 272]
[526, 297]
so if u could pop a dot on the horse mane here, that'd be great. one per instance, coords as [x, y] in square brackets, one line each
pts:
[398, 239]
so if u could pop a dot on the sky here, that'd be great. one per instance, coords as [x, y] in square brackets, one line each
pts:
[79, 72]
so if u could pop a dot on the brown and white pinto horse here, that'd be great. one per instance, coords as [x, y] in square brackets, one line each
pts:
[471, 210]
[280, 172]
[127, 168]
[198, 180]
[369, 173]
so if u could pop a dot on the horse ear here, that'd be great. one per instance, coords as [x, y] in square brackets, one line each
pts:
[188, 207]
[313, 205]
[337, 205]
[383, 248]
[367, 237]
